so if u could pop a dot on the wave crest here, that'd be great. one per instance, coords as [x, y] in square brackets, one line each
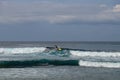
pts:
[22, 50]
[99, 64]
[95, 54]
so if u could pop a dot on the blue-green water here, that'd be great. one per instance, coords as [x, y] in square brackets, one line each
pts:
[76, 60]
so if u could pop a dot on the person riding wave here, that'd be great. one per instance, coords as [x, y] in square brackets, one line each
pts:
[57, 48]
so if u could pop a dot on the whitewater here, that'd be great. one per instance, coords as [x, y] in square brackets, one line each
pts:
[38, 56]
[21, 50]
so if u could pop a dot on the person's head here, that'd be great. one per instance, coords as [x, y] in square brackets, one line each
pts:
[56, 46]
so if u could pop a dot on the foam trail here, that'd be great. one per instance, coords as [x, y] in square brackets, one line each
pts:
[99, 64]
[95, 54]
[21, 50]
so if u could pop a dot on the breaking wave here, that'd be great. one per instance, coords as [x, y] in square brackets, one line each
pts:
[99, 64]
[95, 54]
[69, 57]
[22, 50]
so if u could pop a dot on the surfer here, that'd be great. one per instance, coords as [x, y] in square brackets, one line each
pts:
[57, 48]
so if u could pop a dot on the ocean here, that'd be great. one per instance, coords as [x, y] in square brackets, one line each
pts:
[76, 61]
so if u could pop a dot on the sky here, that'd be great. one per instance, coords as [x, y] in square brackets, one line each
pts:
[59, 20]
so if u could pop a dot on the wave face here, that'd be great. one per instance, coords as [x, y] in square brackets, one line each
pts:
[41, 56]
[42, 62]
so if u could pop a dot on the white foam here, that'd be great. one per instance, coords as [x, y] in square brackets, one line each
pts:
[22, 50]
[99, 64]
[95, 54]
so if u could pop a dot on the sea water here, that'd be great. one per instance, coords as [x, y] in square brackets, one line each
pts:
[77, 60]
